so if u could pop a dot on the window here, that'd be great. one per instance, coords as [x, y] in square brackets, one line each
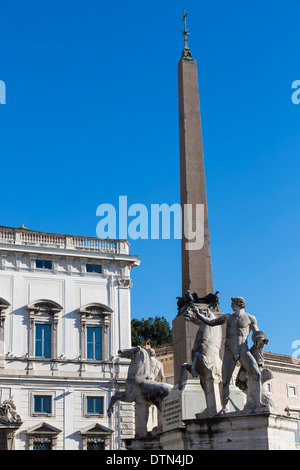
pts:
[292, 390]
[95, 446]
[94, 405]
[94, 342]
[43, 340]
[43, 264]
[96, 437]
[94, 268]
[43, 319]
[41, 445]
[95, 319]
[42, 436]
[42, 404]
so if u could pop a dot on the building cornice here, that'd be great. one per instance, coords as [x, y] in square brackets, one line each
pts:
[30, 241]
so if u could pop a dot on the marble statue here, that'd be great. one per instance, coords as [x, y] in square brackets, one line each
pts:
[8, 412]
[259, 341]
[238, 326]
[144, 385]
[206, 357]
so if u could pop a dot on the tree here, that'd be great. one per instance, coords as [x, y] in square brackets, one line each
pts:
[156, 330]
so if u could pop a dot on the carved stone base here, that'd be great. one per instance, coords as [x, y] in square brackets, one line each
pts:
[235, 431]
[190, 403]
[182, 404]
[232, 431]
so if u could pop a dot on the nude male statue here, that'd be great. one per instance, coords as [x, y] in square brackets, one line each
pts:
[238, 326]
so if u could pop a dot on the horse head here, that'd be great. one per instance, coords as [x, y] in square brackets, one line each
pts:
[140, 366]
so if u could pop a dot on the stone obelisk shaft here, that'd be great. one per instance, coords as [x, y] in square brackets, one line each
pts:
[196, 264]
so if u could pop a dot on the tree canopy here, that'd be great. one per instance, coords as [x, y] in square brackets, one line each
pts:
[155, 330]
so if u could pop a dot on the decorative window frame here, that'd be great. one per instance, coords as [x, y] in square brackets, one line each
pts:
[42, 432]
[269, 387]
[4, 305]
[43, 311]
[95, 314]
[93, 264]
[43, 269]
[34, 393]
[96, 433]
[289, 386]
[85, 396]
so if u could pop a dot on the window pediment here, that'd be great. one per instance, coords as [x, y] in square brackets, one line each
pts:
[44, 305]
[95, 429]
[42, 434]
[98, 316]
[95, 308]
[94, 435]
[47, 311]
[42, 428]
[3, 304]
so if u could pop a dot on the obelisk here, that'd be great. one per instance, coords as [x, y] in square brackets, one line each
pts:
[196, 264]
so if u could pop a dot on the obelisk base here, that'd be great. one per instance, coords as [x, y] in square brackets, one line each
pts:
[232, 431]
[184, 334]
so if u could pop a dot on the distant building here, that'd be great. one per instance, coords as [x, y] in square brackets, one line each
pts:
[64, 313]
[165, 355]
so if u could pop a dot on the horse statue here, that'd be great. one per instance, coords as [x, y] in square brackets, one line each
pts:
[141, 385]
[206, 352]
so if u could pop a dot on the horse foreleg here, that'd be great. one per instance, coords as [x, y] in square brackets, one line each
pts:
[184, 367]
[193, 370]
[119, 396]
[142, 415]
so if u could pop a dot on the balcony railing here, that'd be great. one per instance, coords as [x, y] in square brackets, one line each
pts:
[14, 236]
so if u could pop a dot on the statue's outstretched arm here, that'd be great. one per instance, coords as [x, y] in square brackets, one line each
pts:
[194, 315]
[193, 319]
[211, 321]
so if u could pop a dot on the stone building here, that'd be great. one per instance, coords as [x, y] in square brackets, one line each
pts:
[64, 314]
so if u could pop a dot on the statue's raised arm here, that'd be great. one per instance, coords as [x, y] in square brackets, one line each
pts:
[193, 314]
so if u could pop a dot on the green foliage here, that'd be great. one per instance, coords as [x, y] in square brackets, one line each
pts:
[156, 330]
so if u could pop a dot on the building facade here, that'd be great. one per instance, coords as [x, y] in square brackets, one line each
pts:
[64, 314]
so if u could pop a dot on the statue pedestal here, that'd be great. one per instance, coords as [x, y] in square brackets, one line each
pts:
[232, 431]
[182, 404]
[190, 403]
[236, 431]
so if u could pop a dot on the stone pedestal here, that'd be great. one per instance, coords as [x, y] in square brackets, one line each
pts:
[232, 431]
[190, 403]
[7, 436]
[182, 404]
[186, 427]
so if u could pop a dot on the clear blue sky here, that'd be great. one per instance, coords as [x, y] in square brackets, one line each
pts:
[92, 114]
